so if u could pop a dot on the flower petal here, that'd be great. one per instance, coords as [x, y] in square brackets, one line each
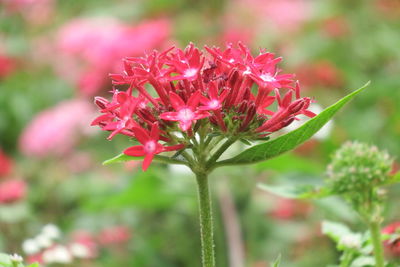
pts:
[169, 116]
[155, 132]
[176, 101]
[141, 135]
[135, 151]
[147, 161]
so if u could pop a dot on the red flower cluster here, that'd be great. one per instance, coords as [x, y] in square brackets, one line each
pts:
[227, 92]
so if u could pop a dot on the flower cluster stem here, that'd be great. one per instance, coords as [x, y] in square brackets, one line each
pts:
[346, 259]
[206, 221]
[375, 230]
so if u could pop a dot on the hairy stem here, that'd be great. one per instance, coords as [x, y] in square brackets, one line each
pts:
[374, 228]
[206, 221]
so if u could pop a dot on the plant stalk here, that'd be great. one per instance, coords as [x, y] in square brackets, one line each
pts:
[374, 228]
[206, 221]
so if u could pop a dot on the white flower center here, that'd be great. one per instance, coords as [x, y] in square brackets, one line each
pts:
[247, 71]
[150, 147]
[213, 103]
[266, 77]
[185, 114]
[189, 73]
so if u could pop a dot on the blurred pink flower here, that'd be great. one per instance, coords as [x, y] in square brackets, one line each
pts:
[286, 209]
[6, 164]
[36, 12]
[56, 130]
[7, 65]
[12, 191]
[336, 27]
[86, 239]
[392, 245]
[285, 15]
[321, 73]
[114, 235]
[92, 48]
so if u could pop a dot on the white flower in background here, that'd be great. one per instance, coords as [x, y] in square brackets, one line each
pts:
[80, 251]
[51, 231]
[351, 241]
[30, 246]
[15, 258]
[322, 134]
[43, 241]
[57, 254]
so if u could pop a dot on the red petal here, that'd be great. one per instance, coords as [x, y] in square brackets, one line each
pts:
[287, 99]
[176, 101]
[185, 125]
[194, 100]
[201, 114]
[147, 160]
[169, 116]
[172, 148]
[135, 151]
[155, 132]
[141, 135]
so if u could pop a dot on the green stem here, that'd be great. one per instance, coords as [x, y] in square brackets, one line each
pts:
[374, 228]
[346, 258]
[206, 221]
[220, 150]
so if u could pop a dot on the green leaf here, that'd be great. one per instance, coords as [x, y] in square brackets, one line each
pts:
[277, 262]
[290, 140]
[394, 179]
[124, 158]
[120, 159]
[34, 265]
[363, 261]
[290, 162]
[295, 191]
[335, 230]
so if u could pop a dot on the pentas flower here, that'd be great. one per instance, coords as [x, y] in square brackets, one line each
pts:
[176, 96]
[186, 113]
[150, 145]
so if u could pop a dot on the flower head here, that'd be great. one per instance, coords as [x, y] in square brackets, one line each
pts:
[175, 95]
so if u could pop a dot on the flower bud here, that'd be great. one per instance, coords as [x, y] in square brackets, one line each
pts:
[296, 106]
[357, 167]
[101, 102]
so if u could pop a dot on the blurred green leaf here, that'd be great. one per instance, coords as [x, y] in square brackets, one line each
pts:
[290, 162]
[363, 261]
[277, 262]
[292, 139]
[335, 230]
[120, 159]
[145, 190]
[295, 191]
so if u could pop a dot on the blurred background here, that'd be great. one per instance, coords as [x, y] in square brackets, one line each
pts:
[59, 205]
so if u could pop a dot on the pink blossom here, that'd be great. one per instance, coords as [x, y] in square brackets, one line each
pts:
[93, 47]
[7, 65]
[55, 131]
[392, 245]
[286, 15]
[6, 164]
[114, 235]
[12, 191]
